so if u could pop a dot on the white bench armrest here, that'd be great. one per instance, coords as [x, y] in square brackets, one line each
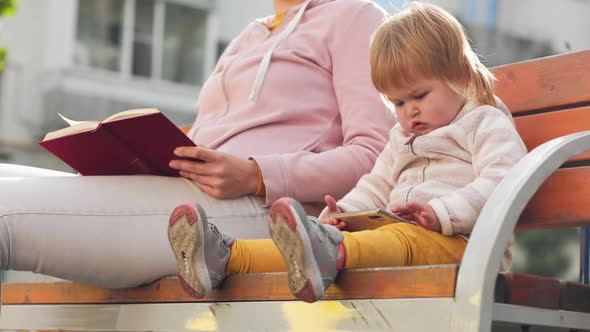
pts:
[474, 293]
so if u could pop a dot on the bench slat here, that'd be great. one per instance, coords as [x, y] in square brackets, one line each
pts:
[575, 297]
[419, 282]
[542, 292]
[539, 128]
[562, 201]
[528, 290]
[545, 83]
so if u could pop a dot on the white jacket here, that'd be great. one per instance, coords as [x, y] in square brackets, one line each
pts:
[453, 168]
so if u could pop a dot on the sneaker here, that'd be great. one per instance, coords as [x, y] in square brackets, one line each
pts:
[312, 251]
[201, 251]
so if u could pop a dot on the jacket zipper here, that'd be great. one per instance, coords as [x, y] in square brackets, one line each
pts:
[427, 159]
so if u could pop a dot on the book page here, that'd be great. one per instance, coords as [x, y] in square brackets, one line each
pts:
[79, 127]
[131, 114]
[70, 121]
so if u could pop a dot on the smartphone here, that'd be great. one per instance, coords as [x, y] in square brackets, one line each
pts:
[369, 219]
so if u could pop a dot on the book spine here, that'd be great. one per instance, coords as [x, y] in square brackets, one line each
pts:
[138, 165]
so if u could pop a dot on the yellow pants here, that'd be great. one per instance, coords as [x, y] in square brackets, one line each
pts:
[391, 245]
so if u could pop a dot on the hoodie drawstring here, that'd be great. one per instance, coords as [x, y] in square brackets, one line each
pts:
[263, 68]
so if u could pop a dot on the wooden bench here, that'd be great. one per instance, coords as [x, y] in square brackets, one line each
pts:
[549, 97]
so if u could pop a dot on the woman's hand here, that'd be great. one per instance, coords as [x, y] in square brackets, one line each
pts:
[422, 214]
[218, 174]
[332, 209]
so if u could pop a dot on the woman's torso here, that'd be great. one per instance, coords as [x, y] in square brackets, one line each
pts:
[297, 109]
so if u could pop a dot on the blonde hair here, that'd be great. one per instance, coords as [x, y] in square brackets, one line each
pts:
[425, 40]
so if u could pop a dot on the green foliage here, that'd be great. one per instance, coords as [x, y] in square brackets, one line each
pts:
[7, 8]
[3, 53]
[546, 251]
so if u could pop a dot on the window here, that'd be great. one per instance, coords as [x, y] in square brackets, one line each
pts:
[99, 34]
[143, 36]
[184, 44]
[155, 39]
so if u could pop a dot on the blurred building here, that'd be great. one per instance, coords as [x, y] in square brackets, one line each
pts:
[88, 59]
[505, 31]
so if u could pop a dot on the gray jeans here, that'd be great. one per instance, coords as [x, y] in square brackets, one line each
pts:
[108, 231]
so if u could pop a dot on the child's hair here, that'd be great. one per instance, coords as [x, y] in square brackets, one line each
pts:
[425, 40]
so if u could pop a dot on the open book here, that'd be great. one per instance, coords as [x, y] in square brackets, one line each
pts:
[140, 141]
[370, 219]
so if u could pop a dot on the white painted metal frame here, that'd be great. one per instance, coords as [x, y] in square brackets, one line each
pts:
[481, 262]
[127, 39]
[472, 309]
[543, 317]
[158, 39]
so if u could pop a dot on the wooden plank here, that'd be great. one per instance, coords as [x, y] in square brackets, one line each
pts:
[546, 82]
[541, 292]
[408, 282]
[528, 290]
[539, 128]
[562, 201]
[575, 297]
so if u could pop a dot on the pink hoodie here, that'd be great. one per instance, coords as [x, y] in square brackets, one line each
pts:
[299, 100]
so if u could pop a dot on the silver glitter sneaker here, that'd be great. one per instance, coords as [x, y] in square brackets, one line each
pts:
[312, 251]
[202, 252]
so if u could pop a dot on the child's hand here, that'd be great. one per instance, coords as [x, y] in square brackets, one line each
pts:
[332, 209]
[422, 214]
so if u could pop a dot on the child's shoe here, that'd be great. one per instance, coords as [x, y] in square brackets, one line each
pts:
[202, 252]
[313, 252]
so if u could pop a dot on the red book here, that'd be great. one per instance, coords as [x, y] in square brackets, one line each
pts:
[132, 142]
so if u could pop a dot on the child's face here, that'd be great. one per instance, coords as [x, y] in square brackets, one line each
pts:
[425, 105]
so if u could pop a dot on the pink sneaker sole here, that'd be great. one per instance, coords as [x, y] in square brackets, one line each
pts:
[290, 237]
[184, 210]
[186, 238]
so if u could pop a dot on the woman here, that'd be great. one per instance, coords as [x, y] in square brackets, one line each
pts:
[290, 99]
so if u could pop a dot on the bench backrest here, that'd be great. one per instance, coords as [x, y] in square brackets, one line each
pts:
[550, 97]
